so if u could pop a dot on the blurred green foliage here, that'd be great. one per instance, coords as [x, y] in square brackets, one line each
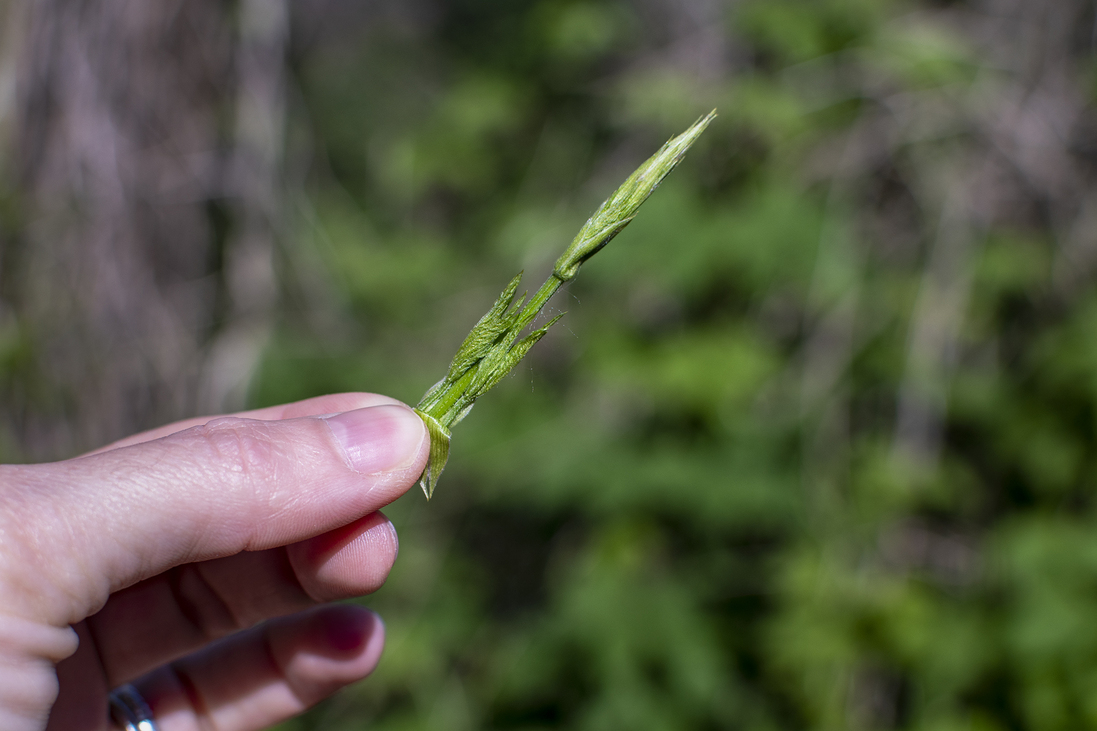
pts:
[698, 506]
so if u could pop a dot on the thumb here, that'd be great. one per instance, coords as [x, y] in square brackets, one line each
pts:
[75, 531]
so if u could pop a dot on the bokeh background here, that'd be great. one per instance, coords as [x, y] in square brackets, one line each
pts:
[815, 446]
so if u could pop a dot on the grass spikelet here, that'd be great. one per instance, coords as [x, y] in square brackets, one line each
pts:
[495, 345]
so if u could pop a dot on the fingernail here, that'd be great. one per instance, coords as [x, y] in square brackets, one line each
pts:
[347, 631]
[395, 538]
[378, 439]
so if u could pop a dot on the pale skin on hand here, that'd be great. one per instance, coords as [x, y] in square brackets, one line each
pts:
[197, 561]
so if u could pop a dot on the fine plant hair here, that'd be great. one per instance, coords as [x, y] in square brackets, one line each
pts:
[494, 345]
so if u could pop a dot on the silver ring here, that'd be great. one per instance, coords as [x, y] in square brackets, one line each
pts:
[129, 710]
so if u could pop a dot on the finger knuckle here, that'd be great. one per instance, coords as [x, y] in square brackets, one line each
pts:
[246, 448]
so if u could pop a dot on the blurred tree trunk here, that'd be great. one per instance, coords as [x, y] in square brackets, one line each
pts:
[148, 142]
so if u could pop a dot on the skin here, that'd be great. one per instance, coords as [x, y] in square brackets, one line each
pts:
[198, 562]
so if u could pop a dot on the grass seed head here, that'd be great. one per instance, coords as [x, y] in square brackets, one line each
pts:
[493, 346]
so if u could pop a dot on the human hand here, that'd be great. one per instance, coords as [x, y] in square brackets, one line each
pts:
[154, 561]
